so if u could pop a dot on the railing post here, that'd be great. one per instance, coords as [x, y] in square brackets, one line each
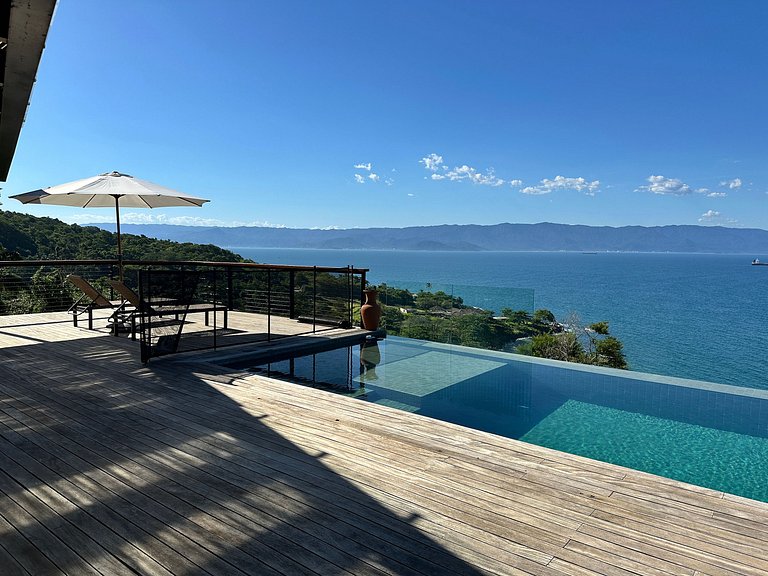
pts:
[230, 288]
[215, 303]
[145, 324]
[291, 294]
[350, 290]
[314, 299]
[269, 304]
[362, 293]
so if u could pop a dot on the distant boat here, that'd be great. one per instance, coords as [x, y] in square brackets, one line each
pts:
[757, 262]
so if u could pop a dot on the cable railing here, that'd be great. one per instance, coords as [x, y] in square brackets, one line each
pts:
[263, 301]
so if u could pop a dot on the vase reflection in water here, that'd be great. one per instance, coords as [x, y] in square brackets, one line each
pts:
[370, 356]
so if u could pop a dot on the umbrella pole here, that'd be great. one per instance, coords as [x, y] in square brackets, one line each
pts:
[119, 241]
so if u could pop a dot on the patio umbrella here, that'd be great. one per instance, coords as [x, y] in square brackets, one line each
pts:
[107, 190]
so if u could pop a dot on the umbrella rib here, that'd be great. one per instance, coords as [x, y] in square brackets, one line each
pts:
[91, 199]
[189, 201]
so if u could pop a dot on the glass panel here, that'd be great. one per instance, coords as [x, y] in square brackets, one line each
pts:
[478, 316]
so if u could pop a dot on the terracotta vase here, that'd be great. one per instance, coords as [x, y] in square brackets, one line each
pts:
[370, 311]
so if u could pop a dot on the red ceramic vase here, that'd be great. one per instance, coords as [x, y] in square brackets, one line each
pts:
[370, 311]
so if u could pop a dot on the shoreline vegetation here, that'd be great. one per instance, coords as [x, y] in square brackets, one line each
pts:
[425, 315]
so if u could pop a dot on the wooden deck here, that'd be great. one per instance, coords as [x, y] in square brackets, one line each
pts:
[109, 467]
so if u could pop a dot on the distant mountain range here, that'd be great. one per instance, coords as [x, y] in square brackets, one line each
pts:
[502, 237]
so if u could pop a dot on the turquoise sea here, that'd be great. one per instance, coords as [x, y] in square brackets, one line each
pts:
[700, 316]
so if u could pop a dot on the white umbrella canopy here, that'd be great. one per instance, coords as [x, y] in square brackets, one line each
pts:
[108, 190]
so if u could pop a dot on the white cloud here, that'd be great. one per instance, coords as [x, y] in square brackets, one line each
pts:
[433, 162]
[410, 195]
[713, 217]
[666, 186]
[465, 172]
[372, 176]
[717, 195]
[439, 171]
[562, 183]
[734, 184]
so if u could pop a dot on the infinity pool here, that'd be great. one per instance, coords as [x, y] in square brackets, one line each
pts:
[706, 434]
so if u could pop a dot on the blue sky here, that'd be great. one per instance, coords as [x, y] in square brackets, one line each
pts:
[399, 113]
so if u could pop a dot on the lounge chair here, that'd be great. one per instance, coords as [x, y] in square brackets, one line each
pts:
[128, 308]
[159, 307]
[91, 300]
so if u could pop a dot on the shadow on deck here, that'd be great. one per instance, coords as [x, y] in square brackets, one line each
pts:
[107, 466]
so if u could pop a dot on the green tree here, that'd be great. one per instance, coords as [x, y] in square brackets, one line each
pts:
[610, 352]
[599, 328]
[602, 349]
[421, 327]
[564, 346]
[437, 300]
[392, 296]
[476, 330]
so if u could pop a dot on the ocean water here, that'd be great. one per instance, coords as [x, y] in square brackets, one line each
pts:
[700, 316]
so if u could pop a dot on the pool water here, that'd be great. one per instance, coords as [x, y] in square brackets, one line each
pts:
[706, 434]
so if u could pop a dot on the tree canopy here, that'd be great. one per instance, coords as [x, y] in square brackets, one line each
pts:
[32, 237]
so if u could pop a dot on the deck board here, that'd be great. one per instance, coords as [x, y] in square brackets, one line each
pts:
[110, 467]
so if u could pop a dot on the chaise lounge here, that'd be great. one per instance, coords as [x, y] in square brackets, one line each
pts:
[91, 300]
[160, 307]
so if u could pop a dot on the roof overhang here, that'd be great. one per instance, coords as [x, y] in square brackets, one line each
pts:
[24, 27]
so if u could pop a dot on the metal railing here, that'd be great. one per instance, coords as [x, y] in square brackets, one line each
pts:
[277, 300]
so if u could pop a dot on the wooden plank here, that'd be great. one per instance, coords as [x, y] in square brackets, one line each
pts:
[703, 535]
[528, 529]
[62, 542]
[183, 537]
[214, 528]
[10, 566]
[98, 523]
[669, 551]
[27, 555]
[625, 559]
[378, 545]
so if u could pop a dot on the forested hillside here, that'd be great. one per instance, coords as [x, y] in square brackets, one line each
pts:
[29, 237]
